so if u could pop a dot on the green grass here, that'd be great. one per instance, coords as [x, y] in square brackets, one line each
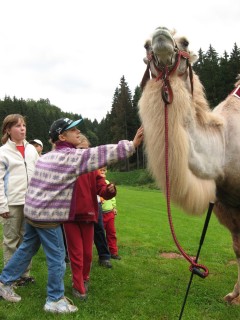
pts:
[138, 178]
[144, 285]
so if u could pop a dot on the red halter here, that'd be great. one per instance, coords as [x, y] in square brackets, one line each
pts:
[163, 73]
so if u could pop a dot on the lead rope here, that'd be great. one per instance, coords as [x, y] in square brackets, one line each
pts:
[208, 216]
[195, 268]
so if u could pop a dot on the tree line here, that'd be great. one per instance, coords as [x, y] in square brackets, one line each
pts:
[217, 73]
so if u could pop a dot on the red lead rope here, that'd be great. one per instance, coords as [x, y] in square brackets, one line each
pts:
[194, 267]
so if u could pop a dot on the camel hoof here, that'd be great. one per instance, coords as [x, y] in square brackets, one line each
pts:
[232, 299]
[228, 298]
[236, 301]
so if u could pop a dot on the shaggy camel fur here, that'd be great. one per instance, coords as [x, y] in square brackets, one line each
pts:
[204, 145]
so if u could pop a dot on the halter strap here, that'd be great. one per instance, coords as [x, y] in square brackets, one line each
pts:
[161, 72]
[236, 92]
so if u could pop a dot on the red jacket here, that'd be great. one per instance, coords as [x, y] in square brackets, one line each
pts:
[84, 205]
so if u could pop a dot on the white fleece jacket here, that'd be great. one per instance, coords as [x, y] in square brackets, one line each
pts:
[15, 173]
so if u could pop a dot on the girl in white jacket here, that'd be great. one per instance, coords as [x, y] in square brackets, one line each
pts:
[17, 163]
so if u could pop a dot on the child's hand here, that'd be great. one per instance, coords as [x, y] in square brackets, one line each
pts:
[5, 215]
[111, 188]
[138, 137]
[115, 211]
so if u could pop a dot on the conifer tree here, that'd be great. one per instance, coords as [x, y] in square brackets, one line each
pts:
[234, 64]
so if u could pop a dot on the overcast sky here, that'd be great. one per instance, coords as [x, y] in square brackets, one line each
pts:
[74, 52]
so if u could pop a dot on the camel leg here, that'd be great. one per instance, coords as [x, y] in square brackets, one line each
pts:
[233, 297]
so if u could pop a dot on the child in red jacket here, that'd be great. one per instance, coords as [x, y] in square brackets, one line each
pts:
[80, 233]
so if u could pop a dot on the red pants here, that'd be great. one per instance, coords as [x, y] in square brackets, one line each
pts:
[79, 237]
[109, 226]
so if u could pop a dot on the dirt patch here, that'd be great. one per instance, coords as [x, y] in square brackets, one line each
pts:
[173, 255]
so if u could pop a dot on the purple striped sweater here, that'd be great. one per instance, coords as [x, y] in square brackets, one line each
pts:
[50, 190]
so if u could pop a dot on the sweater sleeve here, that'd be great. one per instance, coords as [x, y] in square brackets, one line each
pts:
[98, 157]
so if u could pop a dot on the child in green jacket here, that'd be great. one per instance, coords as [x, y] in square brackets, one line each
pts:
[109, 211]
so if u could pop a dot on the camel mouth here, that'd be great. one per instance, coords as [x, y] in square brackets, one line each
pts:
[163, 46]
[162, 34]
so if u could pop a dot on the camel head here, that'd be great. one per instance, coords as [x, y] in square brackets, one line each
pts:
[164, 50]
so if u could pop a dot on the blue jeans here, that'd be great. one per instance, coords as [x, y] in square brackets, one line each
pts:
[53, 246]
[100, 238]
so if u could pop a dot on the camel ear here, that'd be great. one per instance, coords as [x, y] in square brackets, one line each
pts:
[145, 60]
[193, 57]
[147, 44]
[148, 47]
[173, 31]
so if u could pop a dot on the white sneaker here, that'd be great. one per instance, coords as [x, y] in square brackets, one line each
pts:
[8, 293]
[63, 305]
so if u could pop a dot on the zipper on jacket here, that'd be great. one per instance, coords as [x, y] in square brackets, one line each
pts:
[26, 170]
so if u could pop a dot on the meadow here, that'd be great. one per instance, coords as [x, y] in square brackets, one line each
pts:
[144, 285]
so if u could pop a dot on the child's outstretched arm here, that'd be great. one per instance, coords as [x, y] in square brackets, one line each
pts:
[138, 137]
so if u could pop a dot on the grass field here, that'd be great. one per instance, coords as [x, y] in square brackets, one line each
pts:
[144, 285]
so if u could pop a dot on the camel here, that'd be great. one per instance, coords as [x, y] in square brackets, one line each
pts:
[203, 145]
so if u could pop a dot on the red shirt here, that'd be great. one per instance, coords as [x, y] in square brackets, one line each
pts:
[84, 205]
[21, 149]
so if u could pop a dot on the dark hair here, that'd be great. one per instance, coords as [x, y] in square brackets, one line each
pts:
[8, 123]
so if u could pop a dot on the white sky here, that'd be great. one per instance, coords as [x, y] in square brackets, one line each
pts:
[74, 52]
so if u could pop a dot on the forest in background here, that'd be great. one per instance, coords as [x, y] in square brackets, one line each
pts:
[217, 73]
